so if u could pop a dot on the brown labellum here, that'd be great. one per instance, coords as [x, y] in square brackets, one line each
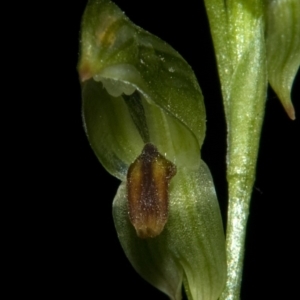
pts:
[148, 181]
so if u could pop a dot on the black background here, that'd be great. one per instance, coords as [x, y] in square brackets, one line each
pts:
[79, 253]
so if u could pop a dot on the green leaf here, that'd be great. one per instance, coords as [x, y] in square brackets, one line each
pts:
[219, 28]
[283, 48]
[191, 245]
[247, 103]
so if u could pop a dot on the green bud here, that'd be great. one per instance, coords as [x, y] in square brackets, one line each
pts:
[283, 48]
[144, 115]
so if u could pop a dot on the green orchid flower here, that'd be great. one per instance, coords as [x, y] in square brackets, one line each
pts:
[144, 116]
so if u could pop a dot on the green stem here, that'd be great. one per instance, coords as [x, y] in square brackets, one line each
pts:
[238, 211]
[237, 28]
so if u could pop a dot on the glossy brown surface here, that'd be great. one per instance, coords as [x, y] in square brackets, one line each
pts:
[148, 181]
